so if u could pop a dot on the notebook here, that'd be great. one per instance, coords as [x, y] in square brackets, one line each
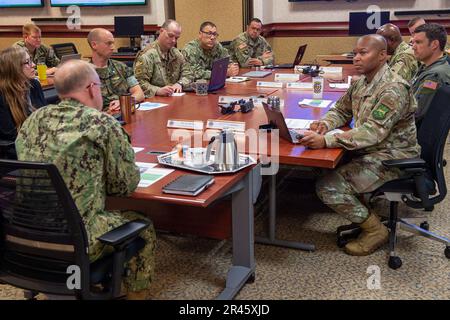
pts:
[257, 74]
[189, 184]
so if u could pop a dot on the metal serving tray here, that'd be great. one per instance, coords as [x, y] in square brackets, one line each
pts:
[209, 168]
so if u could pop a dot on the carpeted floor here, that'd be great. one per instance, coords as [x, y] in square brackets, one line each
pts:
[195, 268]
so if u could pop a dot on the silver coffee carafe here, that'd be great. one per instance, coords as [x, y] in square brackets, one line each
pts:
[226, 156]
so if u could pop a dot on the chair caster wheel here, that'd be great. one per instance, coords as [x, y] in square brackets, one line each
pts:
[395, 263]
[424, 225]
[341, 242]
[346, 227]
[251, 279]
[447, 252]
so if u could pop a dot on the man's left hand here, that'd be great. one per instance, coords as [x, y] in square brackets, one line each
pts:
[254, 62]
[313, 140]
[114, 107]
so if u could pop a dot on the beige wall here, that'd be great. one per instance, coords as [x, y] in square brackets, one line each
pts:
[227, 15]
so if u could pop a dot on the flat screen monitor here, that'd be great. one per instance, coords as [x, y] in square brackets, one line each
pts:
[128, 26]
[92, 3]
[362, 23]
[21, 3]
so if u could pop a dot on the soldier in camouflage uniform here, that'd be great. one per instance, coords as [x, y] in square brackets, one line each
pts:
[39, 52]
[160, 68]
[402, 61]
[416, 22]
[116, 77]
[383, 109]
[201, 53]
[250, 48]
[94, 157]
[428, 44]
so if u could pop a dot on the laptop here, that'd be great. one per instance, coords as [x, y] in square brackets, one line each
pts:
[276, 119]
[68, 57]
[298, 58]
[218, 75]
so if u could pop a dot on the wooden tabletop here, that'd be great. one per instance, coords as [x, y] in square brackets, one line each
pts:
[148, 129]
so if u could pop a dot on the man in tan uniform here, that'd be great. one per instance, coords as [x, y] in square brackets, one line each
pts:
[160, 68]
[39, 52]
[402, 61]
[383, 107]
[250, 48]
[116, 77]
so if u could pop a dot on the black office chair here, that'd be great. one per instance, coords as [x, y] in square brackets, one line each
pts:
[226, 44]
[423, 184]
[62, 49]
[43, 240]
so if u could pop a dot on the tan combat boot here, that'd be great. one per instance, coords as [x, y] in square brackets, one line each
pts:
[138, 295]
[374, 234]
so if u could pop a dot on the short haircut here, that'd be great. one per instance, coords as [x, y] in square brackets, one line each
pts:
[255, 20]
[168, 22]
[206, 24]
[73, 76]
[28, 28]
[434, 31]
[413, 21]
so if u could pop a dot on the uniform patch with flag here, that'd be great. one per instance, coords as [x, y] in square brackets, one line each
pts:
[428, 84]
[242, 46]
[380, 112]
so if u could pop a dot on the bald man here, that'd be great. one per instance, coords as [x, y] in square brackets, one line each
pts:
[95, 159]
[116, 78]
[160, 68]
[383, 109]
[402, 61]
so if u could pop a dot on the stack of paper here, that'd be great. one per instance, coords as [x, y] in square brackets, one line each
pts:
[315, 103]
[146, 106]
[298, 123]
[150, 174]
[237, 79]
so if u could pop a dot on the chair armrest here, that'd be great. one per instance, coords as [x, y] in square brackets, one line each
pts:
[6, 143]
[411, 163]
[125, 233]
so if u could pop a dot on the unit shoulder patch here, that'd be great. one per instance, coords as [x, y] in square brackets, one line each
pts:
[380, 112]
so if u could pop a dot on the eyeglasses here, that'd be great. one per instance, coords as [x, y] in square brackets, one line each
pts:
[211, 34]
[28, 62]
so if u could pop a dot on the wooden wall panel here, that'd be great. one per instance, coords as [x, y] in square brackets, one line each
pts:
[227, 15]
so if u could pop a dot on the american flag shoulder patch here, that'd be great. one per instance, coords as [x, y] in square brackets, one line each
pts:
[428, 84]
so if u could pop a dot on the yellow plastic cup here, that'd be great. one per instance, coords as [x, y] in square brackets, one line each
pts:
[42, 71]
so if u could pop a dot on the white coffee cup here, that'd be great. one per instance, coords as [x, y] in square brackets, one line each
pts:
[197, 156]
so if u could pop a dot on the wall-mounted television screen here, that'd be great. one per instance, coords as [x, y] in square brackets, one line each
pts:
[21, 3]
[92, 3]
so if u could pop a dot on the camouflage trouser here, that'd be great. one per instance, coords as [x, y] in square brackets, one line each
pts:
[142, 266]
[340, 188]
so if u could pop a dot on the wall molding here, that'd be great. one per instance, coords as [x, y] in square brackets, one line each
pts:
[272, 30]
[329, 29]
[61, 30]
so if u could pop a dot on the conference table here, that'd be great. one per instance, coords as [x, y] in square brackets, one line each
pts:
[235, 192]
